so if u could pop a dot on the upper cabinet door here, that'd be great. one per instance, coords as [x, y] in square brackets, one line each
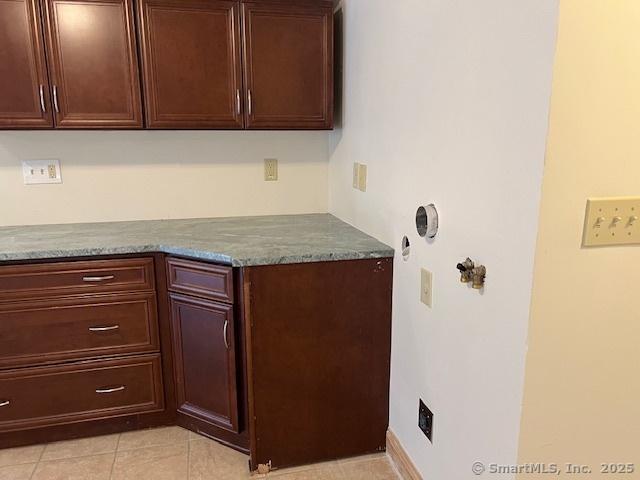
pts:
[191, 63]
[24, 87]
[288, 65]
[93, 63]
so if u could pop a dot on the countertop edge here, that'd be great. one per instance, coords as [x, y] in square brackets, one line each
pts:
[196, 255]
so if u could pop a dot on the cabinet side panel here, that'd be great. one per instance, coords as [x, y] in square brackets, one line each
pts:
[320, 344]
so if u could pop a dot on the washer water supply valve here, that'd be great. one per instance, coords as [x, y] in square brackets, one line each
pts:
[469, 272]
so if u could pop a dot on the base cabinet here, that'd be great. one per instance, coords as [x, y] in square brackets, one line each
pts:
[288, 363]
[84, 349]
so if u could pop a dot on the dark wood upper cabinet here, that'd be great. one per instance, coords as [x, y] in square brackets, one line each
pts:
[24, 87]
[93, 63]
[288, 63]
[191, 63]
[205, 361]
[206, 64]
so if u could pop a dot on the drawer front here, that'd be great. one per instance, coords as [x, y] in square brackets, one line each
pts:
[70, 278]
[56, 395]
[204, 280]
[46, 331]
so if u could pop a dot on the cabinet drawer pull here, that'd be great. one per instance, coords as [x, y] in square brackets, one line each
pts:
[55, 99]
[110, 389]
[98, 279]
[42, 105]
[224, 333]
[5, 403]
[106, 328]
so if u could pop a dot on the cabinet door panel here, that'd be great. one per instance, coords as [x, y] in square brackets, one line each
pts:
[205, 367]
[93, 63]
[288, 66]
[191, 63]
[23, 71]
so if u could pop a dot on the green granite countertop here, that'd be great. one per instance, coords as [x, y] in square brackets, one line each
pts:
[237, 241]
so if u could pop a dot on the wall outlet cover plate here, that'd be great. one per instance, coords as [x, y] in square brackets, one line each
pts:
[425, 420]
[271, 169]
[612, 221]
[362, 178]
[37, 172]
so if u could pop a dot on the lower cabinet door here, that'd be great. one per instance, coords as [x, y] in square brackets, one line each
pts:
[205, 361]
[62, 394]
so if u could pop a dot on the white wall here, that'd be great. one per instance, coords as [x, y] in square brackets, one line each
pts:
[447, 102]
[154, 174]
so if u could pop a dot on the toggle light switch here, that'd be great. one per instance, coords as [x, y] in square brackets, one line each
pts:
[612, 221]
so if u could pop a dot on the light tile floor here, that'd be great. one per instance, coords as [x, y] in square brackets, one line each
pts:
[170, 453]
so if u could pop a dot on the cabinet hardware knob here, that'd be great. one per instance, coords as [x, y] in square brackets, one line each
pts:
[106, 328]
[5, 403]
[42, 104]
[98, 279]
[55, 99]
[224, 333]
[110, 389]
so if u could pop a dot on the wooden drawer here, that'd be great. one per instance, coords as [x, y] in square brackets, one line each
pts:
[68, 278]
[46, 331]
[204, 280]
[42, 396]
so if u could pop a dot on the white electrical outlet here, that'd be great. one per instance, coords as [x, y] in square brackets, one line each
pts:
[41, 171]
[426, 287]
[271, 169]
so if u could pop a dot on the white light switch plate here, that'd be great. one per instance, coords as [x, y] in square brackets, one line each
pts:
[612, 221]
[426, 287]
[41, 171]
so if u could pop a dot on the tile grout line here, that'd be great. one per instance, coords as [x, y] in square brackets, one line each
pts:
[35, 467]
[115, 454]
[188, 458]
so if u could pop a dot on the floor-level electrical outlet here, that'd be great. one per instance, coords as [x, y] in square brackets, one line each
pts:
[41, 171]
[426, 287]
[425, 420]
[271, 169]
[612, 221]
